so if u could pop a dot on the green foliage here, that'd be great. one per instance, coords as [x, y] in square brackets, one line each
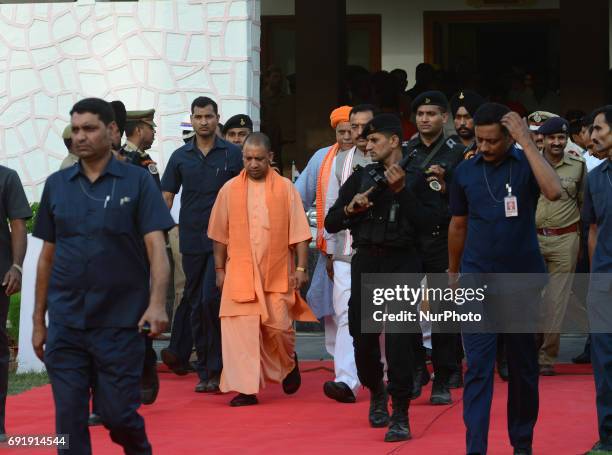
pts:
[18, 383]
[30, 223]
[13, 316]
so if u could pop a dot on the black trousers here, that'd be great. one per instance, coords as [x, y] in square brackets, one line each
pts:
[4, 357]
[116, 355]
[203, 295]
[398, 346]
[444, 345]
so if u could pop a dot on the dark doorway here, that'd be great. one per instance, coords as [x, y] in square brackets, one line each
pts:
[497, 54]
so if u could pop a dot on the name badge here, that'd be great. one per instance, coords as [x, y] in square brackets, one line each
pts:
[511, 206]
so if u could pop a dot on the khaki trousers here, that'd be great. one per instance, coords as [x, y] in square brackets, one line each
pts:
[179, 275]
[560, 253]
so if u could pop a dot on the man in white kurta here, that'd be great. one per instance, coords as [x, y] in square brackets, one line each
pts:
[346, 383]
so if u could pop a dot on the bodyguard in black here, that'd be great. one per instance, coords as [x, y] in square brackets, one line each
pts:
[464, 105]
[437, 156]
[102, 273]
[14, 210]
[384, 232]
[201, 167]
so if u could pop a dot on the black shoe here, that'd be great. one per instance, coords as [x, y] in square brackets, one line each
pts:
[440, 394]
[399, 427]
[293, 380]
[379, 412]
[338, 391]
[172, 361]
[455, 380]
[149, 385]
[600, 449]
[523, 451]
[201, 387]
[502, 370]
[582, 359]
[243, 400]
[421, 378]
[94, 420]
[212, 385]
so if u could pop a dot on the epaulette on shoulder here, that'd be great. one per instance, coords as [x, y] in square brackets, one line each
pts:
[577, 158]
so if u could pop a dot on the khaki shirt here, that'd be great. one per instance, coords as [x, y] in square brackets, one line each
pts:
[130, 147]
[70, 160]
[565, 211]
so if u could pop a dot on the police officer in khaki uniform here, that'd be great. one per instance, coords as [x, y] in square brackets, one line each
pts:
[535, 120]
[140, 134]
[558, 224]
[71, 159]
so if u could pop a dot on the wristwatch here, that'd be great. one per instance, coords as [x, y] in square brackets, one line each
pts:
[300, 269]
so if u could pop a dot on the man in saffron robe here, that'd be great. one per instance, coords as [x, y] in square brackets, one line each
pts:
[258, 225]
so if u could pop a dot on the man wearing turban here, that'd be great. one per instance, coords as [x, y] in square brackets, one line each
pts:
[463, 106]
[312, 185]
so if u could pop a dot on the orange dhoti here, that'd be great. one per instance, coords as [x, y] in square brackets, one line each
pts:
[250, 365]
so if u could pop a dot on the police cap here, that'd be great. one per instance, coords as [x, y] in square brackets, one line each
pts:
[540, 116]
[555, 125]
[430, 98]
[145, 116]
[468, 99]
[238, 121]
[389, 123]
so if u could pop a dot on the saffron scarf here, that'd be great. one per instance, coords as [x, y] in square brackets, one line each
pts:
[322, 184]
[240, 268]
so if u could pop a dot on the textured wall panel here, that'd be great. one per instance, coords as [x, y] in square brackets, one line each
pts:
[158, 54]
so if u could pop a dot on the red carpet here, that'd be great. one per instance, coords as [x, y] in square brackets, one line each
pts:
[183, 422]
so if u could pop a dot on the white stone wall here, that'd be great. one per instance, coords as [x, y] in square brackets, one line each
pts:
[149, 54]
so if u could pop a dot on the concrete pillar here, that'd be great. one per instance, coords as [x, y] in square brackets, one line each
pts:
[320, 62]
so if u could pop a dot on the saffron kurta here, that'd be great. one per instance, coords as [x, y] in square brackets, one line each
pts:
[257, 337]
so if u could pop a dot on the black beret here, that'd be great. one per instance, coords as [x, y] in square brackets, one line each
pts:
[555, 125]
[430, 98]
[468, 99]
[389, 123]
[238, 121]
[120, 114]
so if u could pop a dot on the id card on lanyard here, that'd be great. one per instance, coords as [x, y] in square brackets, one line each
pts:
[510, 203]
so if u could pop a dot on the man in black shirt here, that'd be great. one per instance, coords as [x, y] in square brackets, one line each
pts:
[437, 156]
[463, 105]
[384, 224]
[14, 211]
